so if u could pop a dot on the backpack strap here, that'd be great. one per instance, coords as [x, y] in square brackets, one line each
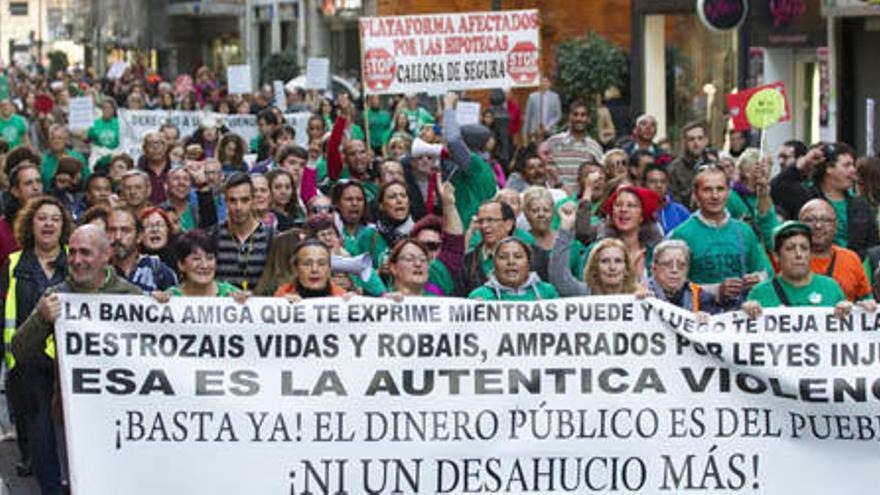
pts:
[780, 293]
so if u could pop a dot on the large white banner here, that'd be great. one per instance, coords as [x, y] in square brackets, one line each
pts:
[134, 124]
[440, 52]
[604, 395]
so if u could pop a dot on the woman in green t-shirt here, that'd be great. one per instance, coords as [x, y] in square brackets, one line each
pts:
[796, 285]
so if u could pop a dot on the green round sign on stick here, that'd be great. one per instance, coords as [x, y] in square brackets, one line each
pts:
[765, 108]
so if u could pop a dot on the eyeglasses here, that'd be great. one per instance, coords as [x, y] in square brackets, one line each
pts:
[432, 245]
[155, 226]
[819, 220]
[414, 260]
[488, 220]
[321, 209]
[673, 264]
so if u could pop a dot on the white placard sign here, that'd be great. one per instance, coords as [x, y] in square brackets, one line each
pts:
[238, 78]
[470, 50]
[586, 395]
[280, 97]
[81, 113]
[318, 73]
[467, 112]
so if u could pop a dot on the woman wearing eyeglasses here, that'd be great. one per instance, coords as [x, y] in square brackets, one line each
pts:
[512, 278]
[669, 281]
[310, 265]
[158, 237]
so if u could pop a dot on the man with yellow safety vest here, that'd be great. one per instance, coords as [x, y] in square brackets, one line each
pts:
[89, 272]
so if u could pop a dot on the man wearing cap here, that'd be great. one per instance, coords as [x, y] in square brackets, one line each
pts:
[59, 141]
[839, 263]
[796, 284]
[725, 251]
[643, 136]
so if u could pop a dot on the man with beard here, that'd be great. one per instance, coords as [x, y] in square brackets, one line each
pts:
[683, 169]
[33, 344]
[147, 272]
[643, 136]
[572, 147]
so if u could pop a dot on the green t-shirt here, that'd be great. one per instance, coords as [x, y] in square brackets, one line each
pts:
[105, 133]
[50, 165]
[223, 289]
[380, 125]
[745, 208]
[418, 118]
[13, 130]
[842, 235]
[822, 291]
[544, 291]
[731, 250]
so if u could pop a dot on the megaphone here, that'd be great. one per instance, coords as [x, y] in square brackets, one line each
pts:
[361, 265]
[422, 148]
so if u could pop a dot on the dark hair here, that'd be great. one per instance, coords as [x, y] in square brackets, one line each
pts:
[291, 208]
[637, 155]
[868, 168]
[138, 226]
[800, 149]
[578, 104]
[780, 238]
[16, 171]
[4, 146]
[268, 115]
[97, 212]
[285, 129]
[24, 221]
[238, 156]
[695, 124]
[190, 241]
[387, 186]
[236, 179]
[507, 212]
[831, 152]
[515, 240]
[654, 168]
[340, 187]
[291, 149]
[20, 154]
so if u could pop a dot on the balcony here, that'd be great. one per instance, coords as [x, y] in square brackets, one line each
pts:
[205, 8]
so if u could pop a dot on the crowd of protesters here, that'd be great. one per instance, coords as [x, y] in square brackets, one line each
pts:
[395, 199]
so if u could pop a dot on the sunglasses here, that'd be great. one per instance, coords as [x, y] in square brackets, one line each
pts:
[432, 245]
[321, 209]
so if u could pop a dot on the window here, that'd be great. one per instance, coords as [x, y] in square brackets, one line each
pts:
[18, 8]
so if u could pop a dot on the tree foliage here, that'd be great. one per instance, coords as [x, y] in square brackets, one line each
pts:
[280, 66]
[57, 62]
[588, 65]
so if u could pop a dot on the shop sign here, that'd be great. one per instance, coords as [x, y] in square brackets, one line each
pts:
[722, 15]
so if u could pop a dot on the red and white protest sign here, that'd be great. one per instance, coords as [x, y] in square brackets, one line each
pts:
[437, 52]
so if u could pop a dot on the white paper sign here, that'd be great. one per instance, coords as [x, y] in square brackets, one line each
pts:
[373, 396]
[82, 113]
[468, 50]
[280, 97]
[318, 73]
[239, 79]
[467, 112]
[116, 70]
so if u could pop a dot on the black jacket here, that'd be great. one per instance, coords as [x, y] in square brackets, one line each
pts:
[790, 192]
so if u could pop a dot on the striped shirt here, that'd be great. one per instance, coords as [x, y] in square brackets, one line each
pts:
[239, 262]
[569, 154]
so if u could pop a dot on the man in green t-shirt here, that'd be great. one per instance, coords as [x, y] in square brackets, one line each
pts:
[796, 284]
[59, 139]
[726, 253]
[13, 127]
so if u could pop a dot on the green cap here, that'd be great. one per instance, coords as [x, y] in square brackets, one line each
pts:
[787, 229]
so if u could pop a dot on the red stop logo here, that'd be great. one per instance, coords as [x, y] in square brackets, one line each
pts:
[522, 62]
[378, 69]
